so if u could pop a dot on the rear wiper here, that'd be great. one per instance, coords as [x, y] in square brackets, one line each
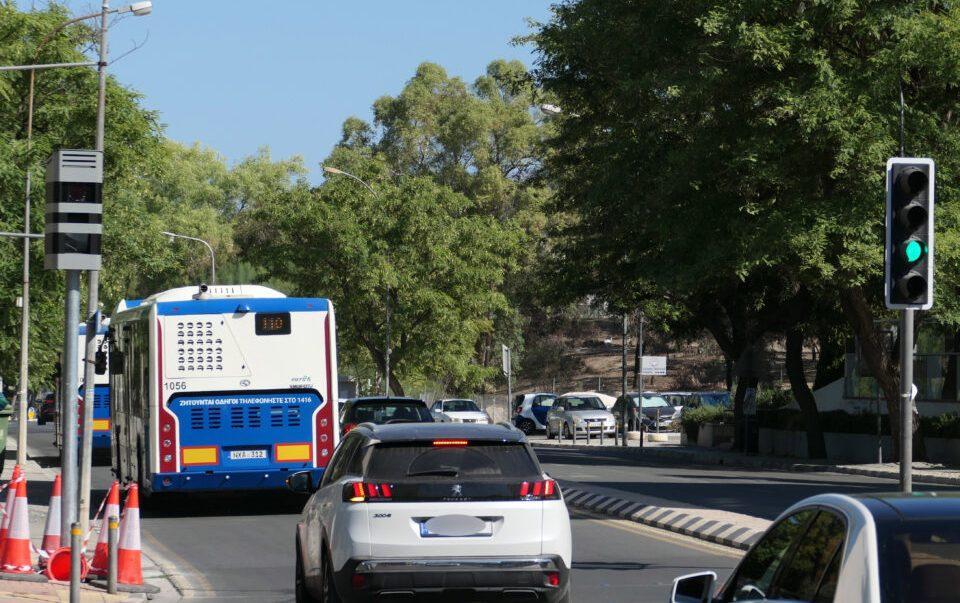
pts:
[441, 472]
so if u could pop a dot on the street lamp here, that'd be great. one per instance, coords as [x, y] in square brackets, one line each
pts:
[69, 512]
[213, 258]
[386, 356]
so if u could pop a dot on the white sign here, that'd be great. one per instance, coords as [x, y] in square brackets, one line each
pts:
[653, 365]
[506, 359]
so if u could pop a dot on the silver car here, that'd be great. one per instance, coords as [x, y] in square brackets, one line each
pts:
[580, 415]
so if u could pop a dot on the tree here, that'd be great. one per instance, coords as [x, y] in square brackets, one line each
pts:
[441, 261]
[730, 146]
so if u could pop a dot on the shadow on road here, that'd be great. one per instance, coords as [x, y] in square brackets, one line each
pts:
[223, 504]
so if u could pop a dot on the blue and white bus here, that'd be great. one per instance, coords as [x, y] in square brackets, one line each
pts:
[101, 389]
[101, 383]
[222, 387]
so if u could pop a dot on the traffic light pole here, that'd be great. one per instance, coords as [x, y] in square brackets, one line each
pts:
[906, 401]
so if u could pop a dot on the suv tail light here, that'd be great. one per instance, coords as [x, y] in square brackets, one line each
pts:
[348, 427]
[546, 489]
[364, 491]
[518, 408]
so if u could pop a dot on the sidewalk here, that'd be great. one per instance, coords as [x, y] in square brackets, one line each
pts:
[39, 487]
[924, 473]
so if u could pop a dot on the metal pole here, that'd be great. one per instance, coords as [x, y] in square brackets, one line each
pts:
[68, 404]
[386, 354]
[509, 375]
[25, 309]
[906, 401]
[623, 382]
[113, 539]
[93, 303]
[640, 384]
[879, 430]
[75, 562]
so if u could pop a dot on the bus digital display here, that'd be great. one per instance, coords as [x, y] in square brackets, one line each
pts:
[274, 323]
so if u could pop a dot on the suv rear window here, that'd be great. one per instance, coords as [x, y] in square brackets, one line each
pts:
[919, 560]
[381, 412]
[420, 460]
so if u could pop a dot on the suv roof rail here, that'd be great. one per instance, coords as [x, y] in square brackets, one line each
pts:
[506, 424]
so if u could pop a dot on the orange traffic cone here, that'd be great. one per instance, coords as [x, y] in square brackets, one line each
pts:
[51, 530]
[112, 509]
[16, 553]
[8, 508]
[129, 570]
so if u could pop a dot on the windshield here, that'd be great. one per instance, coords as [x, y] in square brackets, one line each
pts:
[718, 399]
[387, 411]
[585, 404]
[920, 560]
[460, 406]
[654, 402]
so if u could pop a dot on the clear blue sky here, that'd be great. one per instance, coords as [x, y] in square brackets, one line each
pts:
[238, 74]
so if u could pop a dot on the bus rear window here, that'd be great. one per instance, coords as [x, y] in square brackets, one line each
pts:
[273, 323]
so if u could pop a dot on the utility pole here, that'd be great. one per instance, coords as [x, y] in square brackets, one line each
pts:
[623, 383]
[93, 303]
[386, 351]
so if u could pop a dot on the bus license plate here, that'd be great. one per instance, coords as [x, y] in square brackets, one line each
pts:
[242, 455]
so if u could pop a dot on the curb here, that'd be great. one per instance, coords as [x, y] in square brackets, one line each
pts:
[681, 521]
[708, 457]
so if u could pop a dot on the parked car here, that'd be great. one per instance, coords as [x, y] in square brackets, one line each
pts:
[658, 410]
[459, 513]
[697, 399]
[48, 409]
[461, 410]
[580, 415]
[634, 403]
[382, 410]
[607, 399]
[866, 548]
[530, 411]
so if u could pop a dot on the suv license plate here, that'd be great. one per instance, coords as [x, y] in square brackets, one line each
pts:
[241, 455]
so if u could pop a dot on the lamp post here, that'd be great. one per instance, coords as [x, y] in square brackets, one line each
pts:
[386, 355]
[69, 468]
[213, 258]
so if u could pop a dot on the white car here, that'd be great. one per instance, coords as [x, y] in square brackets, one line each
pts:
[870, 548]
[608, 400]
[460, 410]
[447, 510]
[530, 411]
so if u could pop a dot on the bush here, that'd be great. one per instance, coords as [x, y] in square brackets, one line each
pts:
[942, 426]
[773, 399]
[694, 417]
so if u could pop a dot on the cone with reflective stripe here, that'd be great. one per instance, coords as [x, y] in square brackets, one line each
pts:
[98, 566]
[51, 531]
[16, 552]
[8, 507]
[128, 556]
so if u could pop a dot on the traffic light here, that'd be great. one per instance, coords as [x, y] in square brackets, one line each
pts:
[909, 245]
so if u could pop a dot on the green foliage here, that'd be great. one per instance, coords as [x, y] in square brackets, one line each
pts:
[150, 185]
[442, 262]
[942, 426]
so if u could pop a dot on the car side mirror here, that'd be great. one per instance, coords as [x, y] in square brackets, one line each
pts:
[301, 482]
[693, 588]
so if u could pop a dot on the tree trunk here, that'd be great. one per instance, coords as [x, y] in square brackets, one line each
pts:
[881, 365]
[395, 385]
[816, 446]
[829, 361]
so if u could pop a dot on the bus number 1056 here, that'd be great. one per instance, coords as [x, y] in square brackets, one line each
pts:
[176, 385]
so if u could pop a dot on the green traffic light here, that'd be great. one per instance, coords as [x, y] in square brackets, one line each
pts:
[914, 251]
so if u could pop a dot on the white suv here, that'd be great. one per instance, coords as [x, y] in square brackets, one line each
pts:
[435, 509]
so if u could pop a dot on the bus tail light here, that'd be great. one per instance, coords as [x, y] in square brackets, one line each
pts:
[367, 491]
